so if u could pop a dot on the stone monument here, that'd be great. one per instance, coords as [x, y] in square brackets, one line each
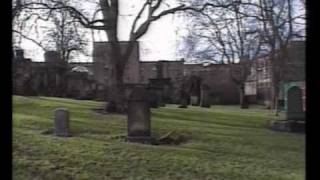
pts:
[154, 96]
[295, 117]
[183, 99]
[205, 96]
[194, 100]
[61, 122]
[139, 123]
[294, 104]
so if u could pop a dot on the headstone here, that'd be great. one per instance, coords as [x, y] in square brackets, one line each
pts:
[139, 123]
[161, 99]
[159, 87]
[153, 97]
[194, 83]
[294, 113]
[205, 96]
[294, 104]
[61, 122]
[158, 91]
[194, 100]
[183, 99]
[183, 103]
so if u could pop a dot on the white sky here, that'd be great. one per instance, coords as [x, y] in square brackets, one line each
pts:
[159, 43]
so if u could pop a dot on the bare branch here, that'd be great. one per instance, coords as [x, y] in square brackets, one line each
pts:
[30, 39]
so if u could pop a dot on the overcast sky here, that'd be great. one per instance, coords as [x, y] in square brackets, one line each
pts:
[160, 42]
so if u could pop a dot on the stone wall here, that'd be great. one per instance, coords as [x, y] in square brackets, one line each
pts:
[22, 76]
[166, 70]
[50, 78]
[170, 69]
[148, 70]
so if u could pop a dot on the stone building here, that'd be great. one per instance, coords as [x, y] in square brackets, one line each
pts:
[53, 77]
[90, 80]
[167, 75]
[258, 84]
[21, 77]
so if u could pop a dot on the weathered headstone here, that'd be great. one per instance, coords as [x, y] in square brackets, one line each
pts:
[294, 113]
[205, 98]
[158, 96]
[153, 98]
[139, 123]
[194, 100]
[183, 103]
[294, 104]
[159, 87]
[61, 122]
[183, 99]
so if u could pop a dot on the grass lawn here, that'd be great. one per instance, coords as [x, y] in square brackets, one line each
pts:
[225, 142]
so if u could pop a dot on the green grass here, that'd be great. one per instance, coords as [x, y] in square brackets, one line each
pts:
[225, 142]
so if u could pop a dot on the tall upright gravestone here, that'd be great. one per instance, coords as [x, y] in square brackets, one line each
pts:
[294, 113]
[195, 90]
[294, 104]
[154, 96]
[139, 123]
[183, 99]
[205, 98]
[61, 122]
[194, 100]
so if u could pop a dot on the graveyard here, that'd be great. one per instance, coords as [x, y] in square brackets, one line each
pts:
[219, 142]
[155, 89]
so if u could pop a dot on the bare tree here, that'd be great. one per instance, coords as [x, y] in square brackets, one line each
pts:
[60, 33]
[279, 24]
[65, 36]
[247, 27]
[151, 11]
[226, 36]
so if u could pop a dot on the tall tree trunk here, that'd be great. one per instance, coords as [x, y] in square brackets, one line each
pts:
[275, 75]
[243, 100]
[116, 89]
[277, 106]
[274, 96]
